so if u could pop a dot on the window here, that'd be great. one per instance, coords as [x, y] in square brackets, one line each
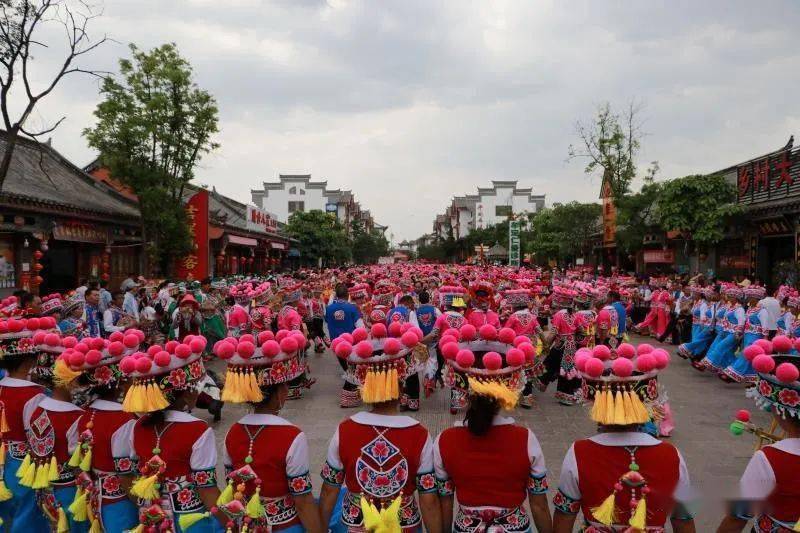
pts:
[503, 210]
[302, 192]
[296, 206]
[293, 190]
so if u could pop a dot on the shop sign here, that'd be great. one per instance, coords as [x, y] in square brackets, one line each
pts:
[261, 221]
[78, 232]
[277, 245]
[659, 256]
[513, 243]
[772, 177]
[331, 208]
[195, 263]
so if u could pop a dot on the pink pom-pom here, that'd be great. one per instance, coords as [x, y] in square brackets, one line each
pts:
[116, 348]
[644, 348]
[246, 349]
[743, 415]
[117, 336]
[662, 358]
[468, 332]
[488, 332]
[781, 344]
[405, 326]
[622, 367]
[395, 329]
[38, 337]
[344, 336]
[594, 367]
[465, 358]
[33, 323]
[97, 343]
[602, 352]
[171, 345]
[82, 347]
[69, 342]
[492, 361]
[233, 341]
[15, 326]
[130, 340]
[416, 331]
[409, 339]
[529, 350]
[447, 339]
[521, 339]
[584, 351]
[752, 351]
[52, 339]
[265, 336]
[359, 334]
[645, 363]
[300, 339]
[392, 346]
[765, 345]
[289, 344]
[787, 373]
[334, 343]
[143, 365]
[763, 363]
[506, 335]
[626, 350]
[154, 349]
[47, 322]
[247, 337]
[183, 351]
[76, 359]
[198, 344]
[3, 326]
[797, 344]
[344, 349]
[378, 330]
[128, 365]
[580, 360]
[452, 332]
[93, 357]
[162, 358]
[283, 333]
[271, 348]
[139, 334]
[515, 357]
[450, 350]
[363, 349]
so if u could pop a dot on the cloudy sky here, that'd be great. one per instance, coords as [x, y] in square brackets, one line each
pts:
[409, 102]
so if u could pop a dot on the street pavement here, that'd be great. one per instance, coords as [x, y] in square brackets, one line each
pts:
[703, 407]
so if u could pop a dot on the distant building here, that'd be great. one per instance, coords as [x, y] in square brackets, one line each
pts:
[293, 193]
[490, 206]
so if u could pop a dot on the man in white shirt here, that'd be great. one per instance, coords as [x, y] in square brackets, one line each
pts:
[773, 308]
[130, 305]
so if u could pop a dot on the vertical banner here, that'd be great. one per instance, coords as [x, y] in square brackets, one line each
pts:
[513, 243]
[195, 264]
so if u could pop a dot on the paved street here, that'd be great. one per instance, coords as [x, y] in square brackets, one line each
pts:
[702, 404]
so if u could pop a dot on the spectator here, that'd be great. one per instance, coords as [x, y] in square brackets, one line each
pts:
[130, 304]
[83, 284]
[773, 307]
[114, 318]
[187, 319]
[105, 296]
[128, 282]
[94, 319]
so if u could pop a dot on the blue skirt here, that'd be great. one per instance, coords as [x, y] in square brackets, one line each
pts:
[20, 514]
[65, 496]
[722, 352]
[741, 370]
[701, 340]
[119, 516]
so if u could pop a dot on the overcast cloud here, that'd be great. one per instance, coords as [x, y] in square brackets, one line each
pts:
[408, 103]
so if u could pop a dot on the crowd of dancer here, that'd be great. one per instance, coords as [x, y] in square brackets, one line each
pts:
[98, 435]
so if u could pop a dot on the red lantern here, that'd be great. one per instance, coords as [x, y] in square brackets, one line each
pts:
[105, 276]
[105, 266]
[38, 267]
[38, 254]
[243, 260]
[38, 280]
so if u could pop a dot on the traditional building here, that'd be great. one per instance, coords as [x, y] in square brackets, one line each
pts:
[490, 206]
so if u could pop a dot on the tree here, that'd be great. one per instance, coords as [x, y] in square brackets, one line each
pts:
[24, 25]
[563, 232]
[368, 246]
[637, 213]
[321, 236]
[698, 206]
[610, 143]
[153, 128]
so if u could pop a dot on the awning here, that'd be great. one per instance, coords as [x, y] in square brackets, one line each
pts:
[244, 241]
[277, 245]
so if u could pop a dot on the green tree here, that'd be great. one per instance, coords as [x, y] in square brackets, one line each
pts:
[154, 125]
[368, 246]
[637, 213]
[563, 232]
[321, 236]
[698, 206]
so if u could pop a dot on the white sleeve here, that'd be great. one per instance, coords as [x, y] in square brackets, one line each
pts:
[437, 312]
[568, 482]
[121, 440]
[683, 492]
[538, 468]
[108, 322]
[360, 322]
[766, 319]
[438, 464]
[297, 457]
[758, 480]
[740, 314]
[204, 452]
[72, 436]
[426, 457]
[29, 408]
[333, 458]
[412, 318]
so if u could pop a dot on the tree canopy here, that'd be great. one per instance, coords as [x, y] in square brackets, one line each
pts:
[562, 232]
[367, 246]
[322, 237]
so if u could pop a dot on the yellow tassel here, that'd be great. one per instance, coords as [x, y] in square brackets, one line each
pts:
[158, 400]
[95, 527]
[506, 397]
[86, 464]
[229, 390]
[254, 508]
[138, 529]
[639, 516]
[641, 411]
[366, 388]
[188, 520]
[226, 496]
[75, 459]
[134, 399]
[605, 513]
[394, 381]
[63, 374]
[52, 472]
[29, 476]
[42, 478]
[23, 468]
[254, 390]
[62, 526]
[796, 526]
[3, 454]
[598, 406]
[5, 494]
[3, 422]
[78, 508]
[627, 406]
[383, 521]
[145, 488]
[619, 410]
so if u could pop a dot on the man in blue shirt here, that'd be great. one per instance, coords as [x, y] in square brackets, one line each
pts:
[341, 316]
[619, 307]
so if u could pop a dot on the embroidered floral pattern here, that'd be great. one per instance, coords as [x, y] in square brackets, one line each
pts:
[537, 484]
[565, 504]
[426, 483]
[789, 397]
[124, 465]
[205, 478]
[331, 475]
[446, 487]
[300, 484]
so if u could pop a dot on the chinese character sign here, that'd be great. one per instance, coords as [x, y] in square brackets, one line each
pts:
[513, 243]
[195, 264]
[771, 177]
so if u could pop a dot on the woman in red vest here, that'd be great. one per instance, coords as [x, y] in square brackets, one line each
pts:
[382, 457]
[622, 479]
[769, 486]
[264, 454]
[176, 452]
[491, 464]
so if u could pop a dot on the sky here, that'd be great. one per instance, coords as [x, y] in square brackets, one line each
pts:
[410, 102]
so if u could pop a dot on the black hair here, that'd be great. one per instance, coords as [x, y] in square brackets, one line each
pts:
[615, 297]
[424, 297]
[25, 300]
[407, 300]
[268, 392]
[341, 290]
[99, 390]
[11, 363]
[206, 281]
[480, 414]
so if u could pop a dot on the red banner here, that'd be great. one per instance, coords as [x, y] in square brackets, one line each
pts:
[195, 264]
[659, 256]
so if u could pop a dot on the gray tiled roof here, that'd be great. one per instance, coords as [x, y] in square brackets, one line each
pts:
[38, 173]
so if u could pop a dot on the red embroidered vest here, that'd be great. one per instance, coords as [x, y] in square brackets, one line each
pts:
[784, 502]
[380, 462]
[600, 467]
[13, 400]
[175, 445]
[269, 454]
[491, 470]
[104, 425]
[48, 435]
